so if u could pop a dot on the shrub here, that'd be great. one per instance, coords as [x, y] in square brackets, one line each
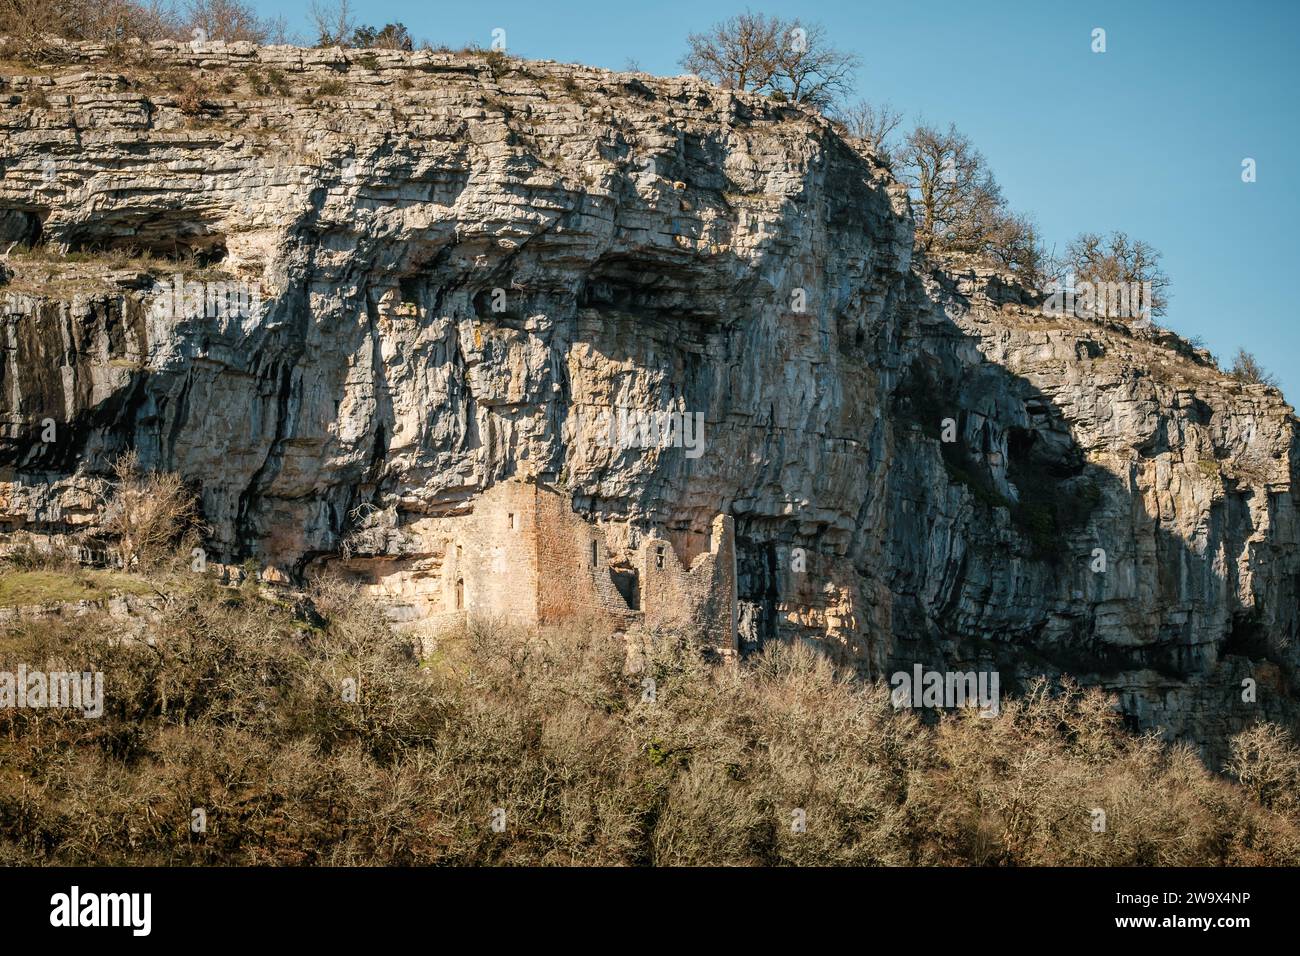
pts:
[148, 513]
[1266, 762]
[237, 706]
[268, 82]
[190, 98]
[498, 63]
[328, 88]
[1246, 368]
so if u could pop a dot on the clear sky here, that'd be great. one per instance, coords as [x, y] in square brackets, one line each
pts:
[1148, 137]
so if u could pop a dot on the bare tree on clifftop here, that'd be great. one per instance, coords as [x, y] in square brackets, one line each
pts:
[954, 192]
[29, 23]
[872, 124]
[1246, 368]
[959, 207]
[736, 53]
[762, 54]
[1116, 258]
[333, 21]
[226, 20]
[809, 69]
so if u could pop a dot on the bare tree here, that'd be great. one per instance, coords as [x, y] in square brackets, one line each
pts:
[872, 124]
[738, 53]
[1012, 241]
[808, 69]
[28, 24]
[226, 20]
[145, 19]
[1118, 259]
[953, 190]
[1246, 368]
[762, 54]
[333, 21]
[958, 205]
[278, 32]
[148, 512]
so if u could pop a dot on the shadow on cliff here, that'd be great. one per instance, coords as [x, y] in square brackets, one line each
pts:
[1006, 547]
[1054, 564]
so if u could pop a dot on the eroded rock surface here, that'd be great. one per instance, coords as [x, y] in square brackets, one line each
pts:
[453, 262]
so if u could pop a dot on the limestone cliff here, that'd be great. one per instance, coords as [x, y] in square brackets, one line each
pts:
[453, 262]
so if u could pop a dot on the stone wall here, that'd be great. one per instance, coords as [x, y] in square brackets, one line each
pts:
[521, 553]
[695, 598]
[574, 567]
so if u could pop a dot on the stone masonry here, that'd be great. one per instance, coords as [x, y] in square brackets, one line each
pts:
[521, 554]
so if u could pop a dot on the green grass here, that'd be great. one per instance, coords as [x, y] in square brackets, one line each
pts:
[53, 587]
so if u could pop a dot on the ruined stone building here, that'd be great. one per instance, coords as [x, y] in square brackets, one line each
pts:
[522, 554]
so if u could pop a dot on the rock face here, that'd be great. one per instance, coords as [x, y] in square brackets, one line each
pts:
[421, 276]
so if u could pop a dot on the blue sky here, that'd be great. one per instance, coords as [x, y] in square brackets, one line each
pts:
[1147, 137]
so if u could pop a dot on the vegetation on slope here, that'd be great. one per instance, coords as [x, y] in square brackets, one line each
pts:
[238, 705]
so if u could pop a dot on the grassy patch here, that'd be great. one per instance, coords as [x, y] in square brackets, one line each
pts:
[329, 88]
[44, 271]
[19, 588]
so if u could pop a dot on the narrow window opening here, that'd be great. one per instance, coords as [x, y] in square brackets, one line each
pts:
[595, 554]
[659, 557]
[460, 593]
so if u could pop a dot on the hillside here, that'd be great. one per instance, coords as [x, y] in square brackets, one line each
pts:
[443, 264]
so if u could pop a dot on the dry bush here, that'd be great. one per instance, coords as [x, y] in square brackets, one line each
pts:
[234, 704]
[149, 513]
[1246, 368]
[1020, 789]
[1266, 762]
[34, 27]
[190, 98]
